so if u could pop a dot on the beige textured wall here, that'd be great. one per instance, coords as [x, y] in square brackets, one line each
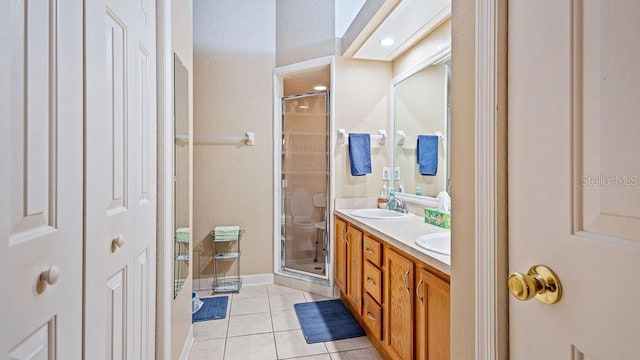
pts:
[462, 181]
[182, 44]
[304, 30]
[234, 56]
[361, 105]
[437, 40]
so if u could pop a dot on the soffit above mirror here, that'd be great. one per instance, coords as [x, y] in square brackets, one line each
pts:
[404, 21]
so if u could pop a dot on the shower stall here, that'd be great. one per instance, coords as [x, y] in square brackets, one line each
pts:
[303, 180]
[304, 184]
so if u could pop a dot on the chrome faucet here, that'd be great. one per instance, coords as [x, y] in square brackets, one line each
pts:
[398, 205]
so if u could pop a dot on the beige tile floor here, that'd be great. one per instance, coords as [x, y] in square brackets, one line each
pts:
[262, 325]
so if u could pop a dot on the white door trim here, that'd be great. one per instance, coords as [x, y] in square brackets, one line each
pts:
[165, 122]
[486, 239]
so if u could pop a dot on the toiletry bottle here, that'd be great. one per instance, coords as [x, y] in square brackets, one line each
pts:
[418, 190]
[382, 198]
[392, 196]
[401, 186]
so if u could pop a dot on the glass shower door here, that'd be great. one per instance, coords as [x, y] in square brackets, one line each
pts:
[305, 165]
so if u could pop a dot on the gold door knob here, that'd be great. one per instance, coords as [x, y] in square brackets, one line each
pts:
[540, 282]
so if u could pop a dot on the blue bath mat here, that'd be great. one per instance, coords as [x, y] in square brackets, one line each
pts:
[214, 308]
[326, 321]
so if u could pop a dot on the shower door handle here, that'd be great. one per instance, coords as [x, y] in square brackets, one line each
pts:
[325, 237]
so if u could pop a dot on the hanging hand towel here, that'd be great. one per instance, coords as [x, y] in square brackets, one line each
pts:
[360, 154]
[427, 154]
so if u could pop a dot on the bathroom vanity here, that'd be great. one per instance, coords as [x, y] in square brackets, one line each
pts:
[398, 292]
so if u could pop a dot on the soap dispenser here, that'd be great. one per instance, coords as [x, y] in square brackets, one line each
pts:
[382, 198]
[391, 205]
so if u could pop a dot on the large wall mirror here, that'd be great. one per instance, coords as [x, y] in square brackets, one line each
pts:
[421, 109]
[181, 174]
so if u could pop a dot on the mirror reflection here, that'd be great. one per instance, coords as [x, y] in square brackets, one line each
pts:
[181, 174]
[421, 114]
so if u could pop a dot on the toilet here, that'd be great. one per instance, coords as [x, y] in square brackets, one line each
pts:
[302, 207]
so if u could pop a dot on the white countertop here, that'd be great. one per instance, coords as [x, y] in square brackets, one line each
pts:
[402, 234]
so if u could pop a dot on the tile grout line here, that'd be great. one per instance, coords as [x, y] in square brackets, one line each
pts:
[226, 336]
[273, 330]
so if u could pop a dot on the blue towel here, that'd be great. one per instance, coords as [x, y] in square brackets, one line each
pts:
[360, 154]
[427, 154]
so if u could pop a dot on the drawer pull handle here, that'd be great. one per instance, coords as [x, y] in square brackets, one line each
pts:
[404, 280]
[371, 282]
[421, 298]
[370, 252]
[370, 316]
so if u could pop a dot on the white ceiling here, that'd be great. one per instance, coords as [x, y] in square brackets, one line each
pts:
[407, 24]
[346, 11]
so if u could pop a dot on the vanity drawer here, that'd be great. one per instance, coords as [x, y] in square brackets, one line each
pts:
[372, 251]
[373, 282]
[372, 316]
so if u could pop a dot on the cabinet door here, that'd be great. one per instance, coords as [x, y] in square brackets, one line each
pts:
[354, 267]
[432, 317]
[341, 255]
[398, 309]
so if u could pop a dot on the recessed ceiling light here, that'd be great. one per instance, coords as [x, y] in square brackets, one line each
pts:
[319, 88]
[387, 42]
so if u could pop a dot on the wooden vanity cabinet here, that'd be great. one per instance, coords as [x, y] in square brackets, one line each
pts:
[432, 301]
[398, 306]
[354, 267]
[372, 286]
[348, 268]
[341, 255]
[403, 303]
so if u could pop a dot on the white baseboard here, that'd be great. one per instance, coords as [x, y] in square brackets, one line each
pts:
[294, 283]
[188, 343]
[247, 280]
[257, 279]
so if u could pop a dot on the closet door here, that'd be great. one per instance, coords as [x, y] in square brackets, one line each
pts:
[41, 179]
[120, 191]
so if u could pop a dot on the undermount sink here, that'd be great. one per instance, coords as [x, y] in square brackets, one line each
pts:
[436, 242]
[379, 214]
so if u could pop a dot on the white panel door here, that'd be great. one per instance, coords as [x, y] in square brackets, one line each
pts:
[574, 175]
[120, 193]
[41, 129]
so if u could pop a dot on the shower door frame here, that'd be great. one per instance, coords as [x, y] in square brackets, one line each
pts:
[325, 240]
[279, 243]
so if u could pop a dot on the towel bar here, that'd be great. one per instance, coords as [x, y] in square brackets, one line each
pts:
[402, 136]
[343, 137]
[248, 138]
